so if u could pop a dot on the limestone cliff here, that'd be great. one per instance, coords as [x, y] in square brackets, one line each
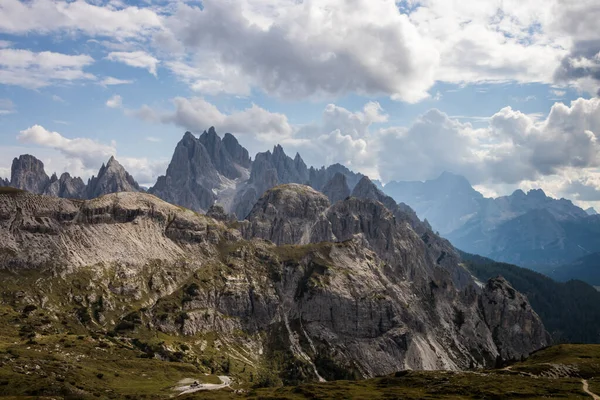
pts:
[363, 294]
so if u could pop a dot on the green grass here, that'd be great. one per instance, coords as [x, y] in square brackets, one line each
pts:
[11, 191]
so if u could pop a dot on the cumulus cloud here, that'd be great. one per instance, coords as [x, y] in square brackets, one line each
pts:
[144, 170]
[35, 70]
[45, 16]
[299, 49]
[512, 148]
[88, 152]
[581, 67]
[136, 59]
[82, 156]
[312, 48]
[196, 114]
[114, 102]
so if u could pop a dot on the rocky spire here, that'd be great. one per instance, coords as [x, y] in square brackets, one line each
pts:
[111, 178]
[66, 186]
[237, 152]
[190, 177]
[337, 188]
[28, 173]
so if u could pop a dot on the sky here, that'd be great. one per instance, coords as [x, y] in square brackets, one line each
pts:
[504, 92]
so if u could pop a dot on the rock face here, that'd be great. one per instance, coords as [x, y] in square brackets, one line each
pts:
[507, 313]
[274, 168]
[375, 299]
[337, 188]
[112, 178]
[203, 171]
[27, 173]
[4, 182]
[66, 186]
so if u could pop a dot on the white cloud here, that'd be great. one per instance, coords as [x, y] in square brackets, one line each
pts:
[152, 139]
[114, 102]
[35, 70]
[136, 59]
[87, 153]
[110, 81]
[45, 16]
[196, 114]
[514, 146]
[57, 98]
[300, 49]
[144, 170]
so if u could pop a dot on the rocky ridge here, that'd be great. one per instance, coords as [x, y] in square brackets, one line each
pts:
[27, 173]
[373, 298]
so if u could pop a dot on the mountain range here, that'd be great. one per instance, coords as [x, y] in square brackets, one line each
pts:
[266, 271]
[528, 229]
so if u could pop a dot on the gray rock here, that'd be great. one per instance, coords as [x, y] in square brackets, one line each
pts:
[373, 301]
[112, 178]
[318, 178]
[190, 176]
[66, 186]
[27, 173]
[337, 188]
[4, 182]
[216, 211]
[509, 315]
[218, 154]
[237, 152]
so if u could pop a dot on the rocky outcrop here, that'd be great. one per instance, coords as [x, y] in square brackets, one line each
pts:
[318, 178]
[27, 173]
[268, 170]
[286, 214]
[190, 176]
[509, 316]
[66, 186]
[203, 171]
[236, 151]
[219, 154]
[337, 188]
[216, 211]
[4, 182]
[371, 301]
[112, 178]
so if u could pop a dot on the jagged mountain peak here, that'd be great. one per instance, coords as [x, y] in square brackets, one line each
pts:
[336, 188]
[112, 177]
[591, 211]
[187, 136]
[27, 173]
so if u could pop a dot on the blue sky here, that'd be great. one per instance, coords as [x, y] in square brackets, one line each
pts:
[504, 93]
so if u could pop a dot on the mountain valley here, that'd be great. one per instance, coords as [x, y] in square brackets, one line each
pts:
[324, 278]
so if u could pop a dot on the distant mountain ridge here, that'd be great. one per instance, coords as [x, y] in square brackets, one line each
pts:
[528, 229]
[28, 173]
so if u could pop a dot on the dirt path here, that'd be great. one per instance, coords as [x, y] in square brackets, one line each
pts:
[586, 388]
[191, 388]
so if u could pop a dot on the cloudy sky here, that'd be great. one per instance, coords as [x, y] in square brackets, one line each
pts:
[504, 92]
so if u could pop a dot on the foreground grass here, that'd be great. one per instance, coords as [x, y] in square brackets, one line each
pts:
[82, 367]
